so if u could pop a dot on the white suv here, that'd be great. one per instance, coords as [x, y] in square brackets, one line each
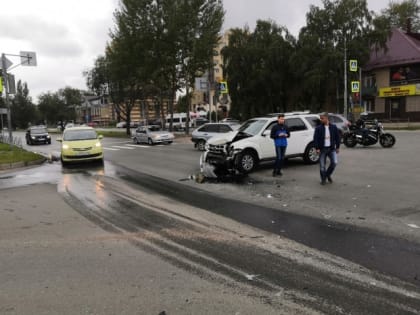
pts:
[242, 150]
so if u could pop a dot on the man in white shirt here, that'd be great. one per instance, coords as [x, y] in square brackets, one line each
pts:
[327, 143]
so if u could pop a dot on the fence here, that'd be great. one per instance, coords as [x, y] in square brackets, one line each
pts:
[17, 141]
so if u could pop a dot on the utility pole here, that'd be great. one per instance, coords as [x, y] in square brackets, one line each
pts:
[6, 92]
[345, 77]
[361, 89]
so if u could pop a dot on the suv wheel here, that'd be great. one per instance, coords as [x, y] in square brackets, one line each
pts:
[201, 145]
[149, 141]
[247, 162]
[310, 156]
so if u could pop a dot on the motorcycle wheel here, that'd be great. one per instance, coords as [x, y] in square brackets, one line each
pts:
[349, 140]
[387, 140]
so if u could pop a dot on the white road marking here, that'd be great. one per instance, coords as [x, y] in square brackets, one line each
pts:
[121, 147]
[414, 226]
[110, 149]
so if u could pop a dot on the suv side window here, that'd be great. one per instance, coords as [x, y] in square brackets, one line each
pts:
[203, 128]
[295, 124]
[314, 121]
[271, 125]
[224, 128]
[212, 128]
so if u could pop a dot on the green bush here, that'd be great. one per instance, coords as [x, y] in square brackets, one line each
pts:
[15, 154]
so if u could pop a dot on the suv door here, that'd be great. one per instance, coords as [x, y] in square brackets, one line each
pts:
[267, 146]
[300, 135]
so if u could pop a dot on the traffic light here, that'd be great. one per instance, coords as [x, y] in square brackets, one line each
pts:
[1, 81]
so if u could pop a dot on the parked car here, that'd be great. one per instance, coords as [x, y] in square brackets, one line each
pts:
[200, 135]
[92, 124]
[81, 144]
[231, 120]
[341, 122]
[242, 150]
[37, 135]
[199, 121]
[121, 124]
[152, 134]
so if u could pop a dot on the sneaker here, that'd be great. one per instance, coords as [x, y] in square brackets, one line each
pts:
[329, 179]
[279, 173]
[274, 173]
[323, 182]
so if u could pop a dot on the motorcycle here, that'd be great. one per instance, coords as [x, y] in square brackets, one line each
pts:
[368, 136]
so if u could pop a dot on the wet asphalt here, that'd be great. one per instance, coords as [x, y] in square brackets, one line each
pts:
[392, 256]
[389, 255]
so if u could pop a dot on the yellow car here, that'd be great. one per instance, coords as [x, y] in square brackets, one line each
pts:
[81, 144]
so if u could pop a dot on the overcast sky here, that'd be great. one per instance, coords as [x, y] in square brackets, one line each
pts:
[67, 35]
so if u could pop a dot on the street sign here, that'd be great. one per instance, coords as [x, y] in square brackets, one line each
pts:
[353, 65]
[201, 84]
[355, 86]
[3, 111]
[223, 87]
[8, 63]
[28, 58]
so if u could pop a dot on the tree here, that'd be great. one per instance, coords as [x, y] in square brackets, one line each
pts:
[257, 69]
[52, 107]
[404, 15]
[329, 34]
[149, 49]
[24, 111]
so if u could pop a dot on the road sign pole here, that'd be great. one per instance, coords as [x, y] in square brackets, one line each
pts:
[6, 92]
[361, 89]
[345, 78]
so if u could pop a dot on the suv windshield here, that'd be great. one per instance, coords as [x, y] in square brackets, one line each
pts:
[37, 131]
[153, 128]
[74, 135]
[252, 126]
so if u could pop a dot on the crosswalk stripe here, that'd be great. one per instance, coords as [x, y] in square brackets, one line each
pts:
[110, 149]
[121, 147]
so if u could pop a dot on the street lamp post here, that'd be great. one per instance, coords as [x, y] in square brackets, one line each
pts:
[28, 58]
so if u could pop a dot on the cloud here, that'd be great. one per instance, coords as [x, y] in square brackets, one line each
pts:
[47, 38]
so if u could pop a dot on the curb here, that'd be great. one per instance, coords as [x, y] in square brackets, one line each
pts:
[8, 166]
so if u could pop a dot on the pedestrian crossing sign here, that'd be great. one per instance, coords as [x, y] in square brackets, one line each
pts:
[353, 65]
[355, 86]
[223, 87]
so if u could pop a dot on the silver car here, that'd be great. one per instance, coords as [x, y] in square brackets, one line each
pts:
[152, 134]
[206, 131]
[341, 122]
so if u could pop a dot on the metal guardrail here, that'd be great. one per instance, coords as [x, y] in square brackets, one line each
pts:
[16, 141]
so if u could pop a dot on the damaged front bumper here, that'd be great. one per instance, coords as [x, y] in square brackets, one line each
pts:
[215, 165]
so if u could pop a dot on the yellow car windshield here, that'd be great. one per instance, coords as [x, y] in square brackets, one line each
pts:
[75, 135]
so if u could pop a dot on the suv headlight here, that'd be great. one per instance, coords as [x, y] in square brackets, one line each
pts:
[207, 146]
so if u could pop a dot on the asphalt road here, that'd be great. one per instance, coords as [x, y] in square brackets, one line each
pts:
[371, 211]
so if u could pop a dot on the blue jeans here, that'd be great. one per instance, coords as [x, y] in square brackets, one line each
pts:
[331, 154]
[280, 152]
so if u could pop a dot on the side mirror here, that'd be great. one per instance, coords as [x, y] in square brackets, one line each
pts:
[266, 133]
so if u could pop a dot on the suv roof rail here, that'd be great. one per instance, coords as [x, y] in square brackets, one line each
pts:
[291, 113]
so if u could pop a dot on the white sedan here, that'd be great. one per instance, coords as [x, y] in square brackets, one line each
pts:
[152, 134]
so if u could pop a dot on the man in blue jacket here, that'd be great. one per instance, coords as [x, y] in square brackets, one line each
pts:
[327, 144]
[279, 133]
